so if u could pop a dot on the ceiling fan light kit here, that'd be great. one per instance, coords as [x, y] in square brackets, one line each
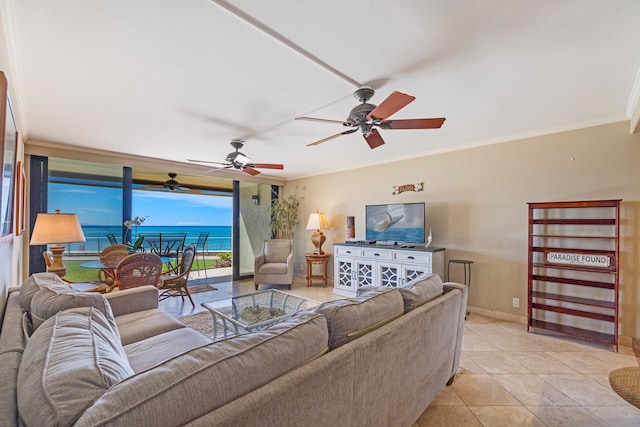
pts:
[366, 117]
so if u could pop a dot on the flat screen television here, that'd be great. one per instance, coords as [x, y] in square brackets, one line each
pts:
[395, 223]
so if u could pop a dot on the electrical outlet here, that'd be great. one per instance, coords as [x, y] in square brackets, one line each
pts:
[516, 302]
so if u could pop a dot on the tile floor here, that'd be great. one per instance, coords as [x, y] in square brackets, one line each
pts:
[509, 377]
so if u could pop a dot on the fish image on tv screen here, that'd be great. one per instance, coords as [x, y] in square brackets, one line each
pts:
[398, 222]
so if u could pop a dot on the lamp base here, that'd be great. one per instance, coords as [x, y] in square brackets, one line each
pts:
[57, 264]
[318, 239]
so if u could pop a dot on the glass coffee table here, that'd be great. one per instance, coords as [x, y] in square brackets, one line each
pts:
[255, 311]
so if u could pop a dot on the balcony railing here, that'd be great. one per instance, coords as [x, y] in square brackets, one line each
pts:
[95, 245]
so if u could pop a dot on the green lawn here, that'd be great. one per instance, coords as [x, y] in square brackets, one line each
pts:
[75, 273]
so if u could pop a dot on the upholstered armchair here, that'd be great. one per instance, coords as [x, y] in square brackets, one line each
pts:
[274, 266]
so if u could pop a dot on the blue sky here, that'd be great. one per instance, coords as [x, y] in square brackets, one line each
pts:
[102, 206]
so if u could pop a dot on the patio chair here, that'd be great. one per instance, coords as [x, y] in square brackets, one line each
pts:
[626, 381]
[174, 281]
[112, 239]
[109, 258]
[274, 266]
[138, 269]
[201, 249]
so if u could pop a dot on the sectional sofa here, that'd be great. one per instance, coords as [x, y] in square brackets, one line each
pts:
[84, 359]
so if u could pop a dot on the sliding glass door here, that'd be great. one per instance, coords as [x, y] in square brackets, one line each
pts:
[251, 225]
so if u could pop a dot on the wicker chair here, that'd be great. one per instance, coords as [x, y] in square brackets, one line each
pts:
[626, 381]
[110, 257]
[174, 281]
[139, 269]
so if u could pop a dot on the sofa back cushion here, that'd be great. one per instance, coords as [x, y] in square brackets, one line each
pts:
[54, 298]
[69, 362]
[348, 319]
[421, 290]
[220, 372]
[33, 284]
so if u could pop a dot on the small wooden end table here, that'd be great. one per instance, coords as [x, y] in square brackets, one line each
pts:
[317, 259]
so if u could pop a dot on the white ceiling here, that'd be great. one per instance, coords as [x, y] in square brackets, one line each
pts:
[179, 79]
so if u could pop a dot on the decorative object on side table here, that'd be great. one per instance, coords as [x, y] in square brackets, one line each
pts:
[56, 228]
[317, 221]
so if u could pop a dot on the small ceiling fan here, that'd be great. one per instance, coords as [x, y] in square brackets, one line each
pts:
[170, 184]
[239, 161]
[367, 117]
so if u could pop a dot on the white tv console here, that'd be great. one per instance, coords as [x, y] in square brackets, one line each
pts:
[357, 265]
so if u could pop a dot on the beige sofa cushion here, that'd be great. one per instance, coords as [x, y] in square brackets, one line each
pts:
[348, 319]
[53, 298]
[69, 362]
[140, 325]
[221, 372]
[156, 349]
[33, 284]
[421, 290]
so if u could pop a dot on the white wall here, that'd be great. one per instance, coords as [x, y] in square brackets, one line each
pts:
[476, 204]
[10, 246]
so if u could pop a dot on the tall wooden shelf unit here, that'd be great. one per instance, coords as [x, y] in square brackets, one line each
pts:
[573, 268]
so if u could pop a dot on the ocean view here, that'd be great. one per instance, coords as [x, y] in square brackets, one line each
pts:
[96, 236]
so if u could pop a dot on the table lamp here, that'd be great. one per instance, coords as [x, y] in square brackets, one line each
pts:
[317, 221]
[56, 228]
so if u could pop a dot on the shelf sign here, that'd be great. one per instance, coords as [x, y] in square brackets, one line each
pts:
[583, 260]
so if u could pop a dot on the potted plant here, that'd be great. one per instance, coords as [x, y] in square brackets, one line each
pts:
[284, 216]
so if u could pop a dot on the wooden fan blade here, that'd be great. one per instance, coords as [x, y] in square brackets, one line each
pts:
[394, 102]
[217, 169]
[188, 190]
[313, 119]
[267, 166]
[207, 162]
[346, 132]
[434, 123]
[250, 171]
[374, 139]
[151, 187]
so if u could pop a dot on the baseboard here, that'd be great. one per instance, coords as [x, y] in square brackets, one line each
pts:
[498, 315]
[622, 339]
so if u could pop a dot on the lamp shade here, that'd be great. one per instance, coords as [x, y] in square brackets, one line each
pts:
[317, 221]
[56, 228]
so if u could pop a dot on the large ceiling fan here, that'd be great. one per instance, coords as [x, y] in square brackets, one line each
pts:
[239, 161]
[171, 184]
[367, 117]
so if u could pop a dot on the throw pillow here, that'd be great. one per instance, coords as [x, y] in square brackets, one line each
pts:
[348, 319]
[55, 297]
[423, 289]
[70, 361]
[33, 284]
